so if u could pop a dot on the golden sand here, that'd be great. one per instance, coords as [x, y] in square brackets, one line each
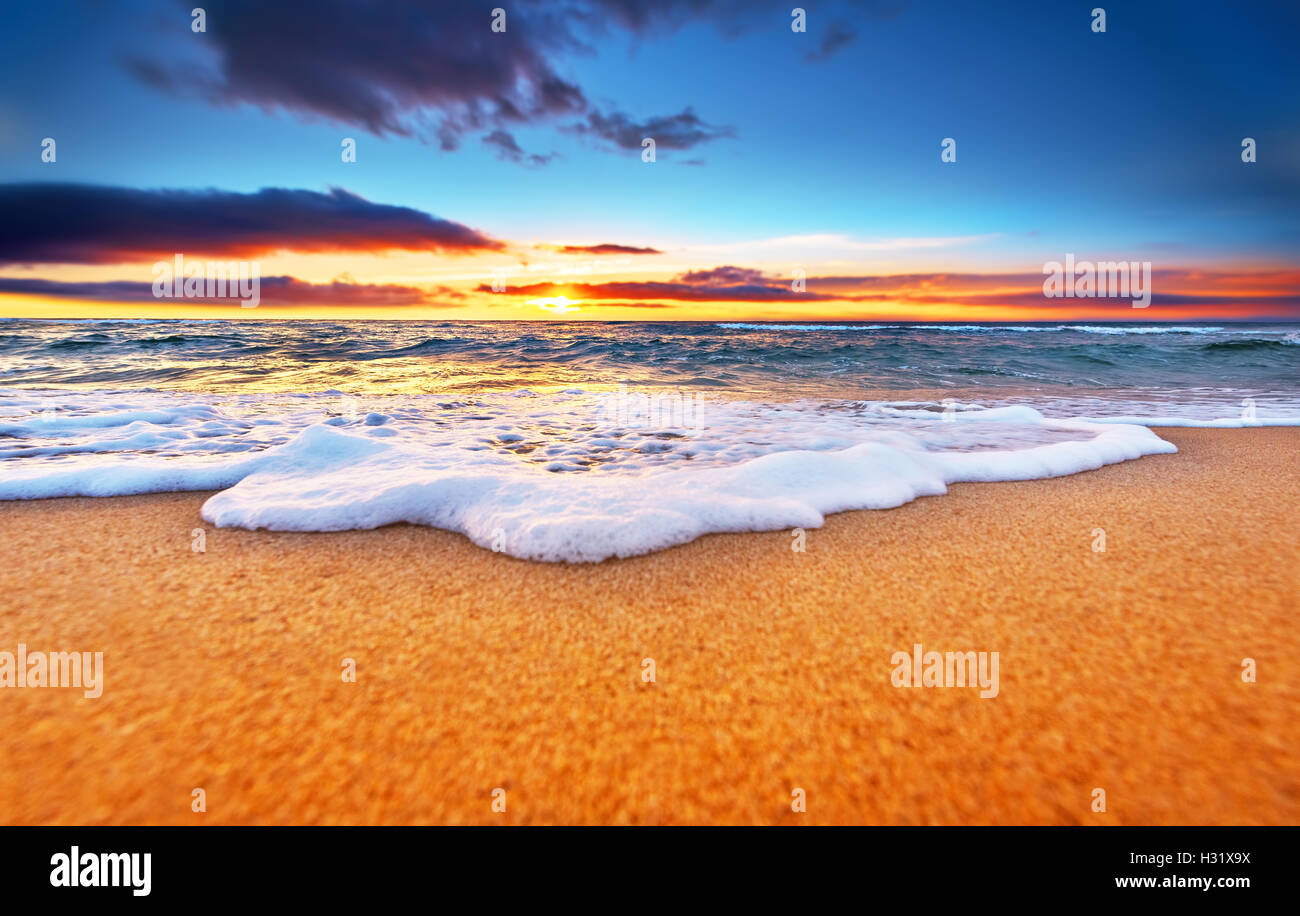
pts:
[475, 671]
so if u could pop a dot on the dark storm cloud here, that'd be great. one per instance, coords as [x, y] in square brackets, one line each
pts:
[385, 66]
[275, 291]
[372, 64]
[96, 224]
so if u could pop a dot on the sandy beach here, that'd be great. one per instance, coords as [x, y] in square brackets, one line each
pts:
[475, 671]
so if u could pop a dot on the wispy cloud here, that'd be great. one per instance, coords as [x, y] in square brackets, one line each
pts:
[838, 35]
[508, 149]
[602, 249]
[722, 284]
[1226, 292]
[833, 243]
[683, 130]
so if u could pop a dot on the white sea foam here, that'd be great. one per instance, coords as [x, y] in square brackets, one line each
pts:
[327, 480]
[547, 476]
[1159, 329]
[996, 328]
[744, 326]
[1239, 422]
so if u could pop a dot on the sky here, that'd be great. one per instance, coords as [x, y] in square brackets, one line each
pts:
[796, 174]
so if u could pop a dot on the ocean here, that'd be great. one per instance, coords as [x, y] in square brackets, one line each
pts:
[578, 441]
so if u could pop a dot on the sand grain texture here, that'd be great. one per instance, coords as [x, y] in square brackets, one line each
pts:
[1119, 670]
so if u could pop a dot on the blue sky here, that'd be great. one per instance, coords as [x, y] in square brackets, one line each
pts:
[1124, 143]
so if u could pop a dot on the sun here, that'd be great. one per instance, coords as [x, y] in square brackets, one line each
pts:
[556, 304]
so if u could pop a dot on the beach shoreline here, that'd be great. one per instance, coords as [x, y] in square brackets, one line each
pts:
[475, 671]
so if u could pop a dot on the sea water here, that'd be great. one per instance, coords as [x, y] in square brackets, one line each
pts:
[582, 441]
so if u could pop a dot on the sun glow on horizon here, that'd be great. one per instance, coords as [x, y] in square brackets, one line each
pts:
[558, 305]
